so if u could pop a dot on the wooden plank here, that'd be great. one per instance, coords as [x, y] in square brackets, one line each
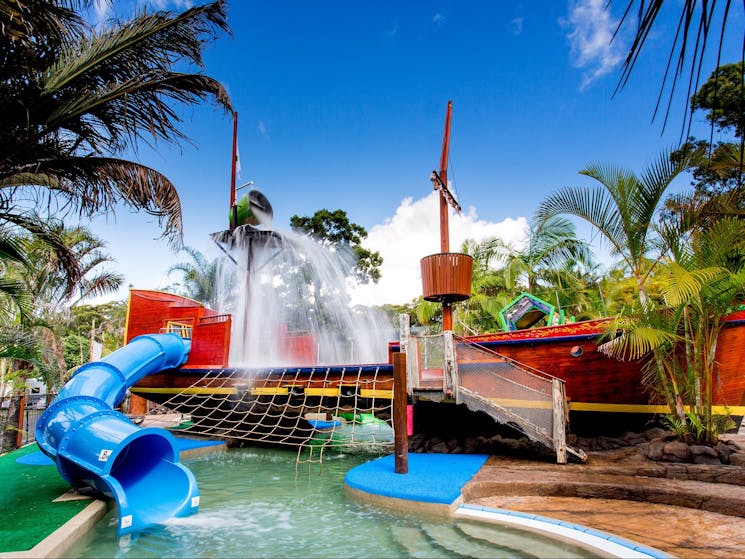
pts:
[400, 436]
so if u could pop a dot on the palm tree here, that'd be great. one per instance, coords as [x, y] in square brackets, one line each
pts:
[50, 291]
[678, 336]
[551, 247]
[15, 299]
[489, 285]
[199, 276]
[550, 259]
[72, 98]
[47, 280]
[621, 208]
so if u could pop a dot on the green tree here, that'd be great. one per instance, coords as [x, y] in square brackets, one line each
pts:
[722, 97]
[106, 320]
[622, 209]
[550, 262]
[334, 229]
[678, 335]
[198, 277]
[48, 280]
[74, 97]
[717, 169]
[53, 291]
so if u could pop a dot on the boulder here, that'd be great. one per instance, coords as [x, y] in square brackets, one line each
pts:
[676, 451]
[702, 454]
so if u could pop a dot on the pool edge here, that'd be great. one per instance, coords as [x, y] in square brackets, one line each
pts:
[582, 536]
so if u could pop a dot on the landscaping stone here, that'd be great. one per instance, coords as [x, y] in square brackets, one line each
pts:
[676, 451]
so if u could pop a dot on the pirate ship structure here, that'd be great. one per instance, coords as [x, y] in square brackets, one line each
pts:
[533, 378]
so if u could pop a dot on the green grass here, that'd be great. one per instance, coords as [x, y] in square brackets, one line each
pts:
[26, 495]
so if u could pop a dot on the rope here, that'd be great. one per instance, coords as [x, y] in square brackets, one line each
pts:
[344, 408]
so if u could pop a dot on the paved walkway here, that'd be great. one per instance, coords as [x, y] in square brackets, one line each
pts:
[606, 494]
[678, 531]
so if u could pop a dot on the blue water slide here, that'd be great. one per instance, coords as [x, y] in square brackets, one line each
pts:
[97, 446]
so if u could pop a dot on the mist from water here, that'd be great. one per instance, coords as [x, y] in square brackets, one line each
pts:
[288, 296]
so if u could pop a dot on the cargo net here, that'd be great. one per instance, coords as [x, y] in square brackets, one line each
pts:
[348, 409]
[520, 395]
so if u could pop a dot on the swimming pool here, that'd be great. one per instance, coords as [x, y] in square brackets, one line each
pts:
[257, 502]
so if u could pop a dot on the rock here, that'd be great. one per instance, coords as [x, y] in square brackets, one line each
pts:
[737, 459]
[633, 439]
[656, 433]
[723, 452]
[676, 451]
[653, 449]
[440, 448]
[702, 454]
[470, 445]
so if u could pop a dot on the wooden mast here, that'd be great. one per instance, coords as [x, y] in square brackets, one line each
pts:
[445, 197]
[444, 225]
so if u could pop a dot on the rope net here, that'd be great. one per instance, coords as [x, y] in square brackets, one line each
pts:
[522, 391]
[348, 409]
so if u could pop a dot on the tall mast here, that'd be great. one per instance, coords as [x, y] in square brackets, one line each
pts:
[234, 159]
[446, 277]
[234, 163]
[444, 225]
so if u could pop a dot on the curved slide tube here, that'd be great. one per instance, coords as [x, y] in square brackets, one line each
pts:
[94, 445]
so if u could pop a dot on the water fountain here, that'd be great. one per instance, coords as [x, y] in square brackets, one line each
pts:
[288, 295]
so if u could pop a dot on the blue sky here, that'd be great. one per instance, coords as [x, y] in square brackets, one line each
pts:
[342, 105]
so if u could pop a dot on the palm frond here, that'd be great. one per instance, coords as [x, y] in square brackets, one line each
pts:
[697, 24]
[682, 286]
[594, 205]
[47, 231]
[143, 42]
[97, 184]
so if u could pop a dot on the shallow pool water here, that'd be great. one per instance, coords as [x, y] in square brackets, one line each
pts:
[258, 502]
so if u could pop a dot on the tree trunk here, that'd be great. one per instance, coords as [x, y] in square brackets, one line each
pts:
[10, 425]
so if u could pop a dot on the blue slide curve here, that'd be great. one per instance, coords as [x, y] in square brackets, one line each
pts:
[94, 445]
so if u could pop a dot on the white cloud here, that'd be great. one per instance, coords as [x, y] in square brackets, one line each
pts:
[261, 127]
[168, 4]
[517, 25]
[591, 27]
[414, 232]
[102, 10]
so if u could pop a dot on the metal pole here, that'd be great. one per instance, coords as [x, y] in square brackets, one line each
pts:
[400, 397]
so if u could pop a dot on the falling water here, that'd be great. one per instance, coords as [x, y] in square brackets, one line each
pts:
[288, 296]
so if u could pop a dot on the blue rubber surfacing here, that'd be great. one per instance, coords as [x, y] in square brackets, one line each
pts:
[432, 478]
